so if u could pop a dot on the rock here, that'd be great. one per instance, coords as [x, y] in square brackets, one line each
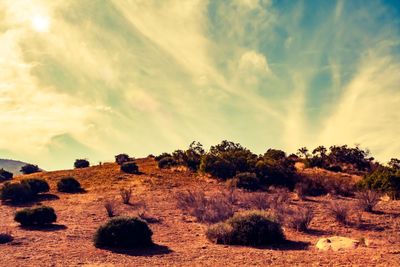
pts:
[336, 243]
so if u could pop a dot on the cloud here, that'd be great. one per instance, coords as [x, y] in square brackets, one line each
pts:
[149, 76]
[368, 110]
[253, 62]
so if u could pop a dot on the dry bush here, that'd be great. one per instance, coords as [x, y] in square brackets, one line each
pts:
[141, 209]
[110, 208]
[212, 209]
[298, 218]
[279, 198]
[367, 200]
[233, 195]
[256, 200]
[342, 211]
[125, 195]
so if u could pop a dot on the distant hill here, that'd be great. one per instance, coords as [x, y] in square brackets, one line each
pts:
[12, 165]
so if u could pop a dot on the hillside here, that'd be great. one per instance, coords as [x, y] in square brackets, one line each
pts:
[180, 239]
[12, 165]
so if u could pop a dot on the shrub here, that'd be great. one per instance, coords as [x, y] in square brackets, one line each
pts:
[16, 193]
[217, 167]
[6, 237]
[367, 200]
[213, 209]
[276, 172]
[335, 169]
[129, 167]
[121, 158]
[166, 162]
[220, 233]
[81, 163]
[257, 200]
[29, 168]
[69, 185]
[245, 180]
[36, 185]
[318, 185]
[247, 228]
[161, 156]
[191, 157]
[341, 211]
[383, 179]
[35, 216]
[5, 175]
[110, 208]
[123, 232]
[125, 195]
[299, 218]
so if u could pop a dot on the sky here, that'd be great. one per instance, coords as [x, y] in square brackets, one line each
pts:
[95, 78]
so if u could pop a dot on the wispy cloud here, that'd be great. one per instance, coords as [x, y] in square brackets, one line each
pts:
[147, 76]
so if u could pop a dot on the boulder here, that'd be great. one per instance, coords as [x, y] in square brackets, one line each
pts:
[336, 243]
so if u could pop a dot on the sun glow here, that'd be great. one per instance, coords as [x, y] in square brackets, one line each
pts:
[41, 23]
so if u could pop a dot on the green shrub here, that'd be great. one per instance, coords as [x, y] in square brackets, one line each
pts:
[220, 233]
[253, 227]
[130, 167]
[16, 193]
[36, 185]
[276, 172]
[383, 179]
[166, 162]
[217, 167]
[81, 163]
[5, 175]
[35, 216]
[69, 185]
[245, 180]
[123, 232]
[29, 168]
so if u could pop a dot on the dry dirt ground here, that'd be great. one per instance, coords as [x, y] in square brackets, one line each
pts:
[180, 239]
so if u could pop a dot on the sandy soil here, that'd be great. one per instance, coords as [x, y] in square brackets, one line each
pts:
[180, 239]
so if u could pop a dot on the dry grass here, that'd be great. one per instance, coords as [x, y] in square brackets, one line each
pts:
[212, 209]
[182, 241]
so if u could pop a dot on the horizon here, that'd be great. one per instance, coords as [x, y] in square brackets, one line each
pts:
[93, 79]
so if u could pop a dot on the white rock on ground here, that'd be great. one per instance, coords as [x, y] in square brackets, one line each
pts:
[336, 243]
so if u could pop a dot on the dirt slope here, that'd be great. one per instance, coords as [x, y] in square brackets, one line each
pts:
[180, 239]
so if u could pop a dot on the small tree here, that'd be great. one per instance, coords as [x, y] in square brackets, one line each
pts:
[121, 158]
[81, 163]
[29, 168]
[245, 180]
